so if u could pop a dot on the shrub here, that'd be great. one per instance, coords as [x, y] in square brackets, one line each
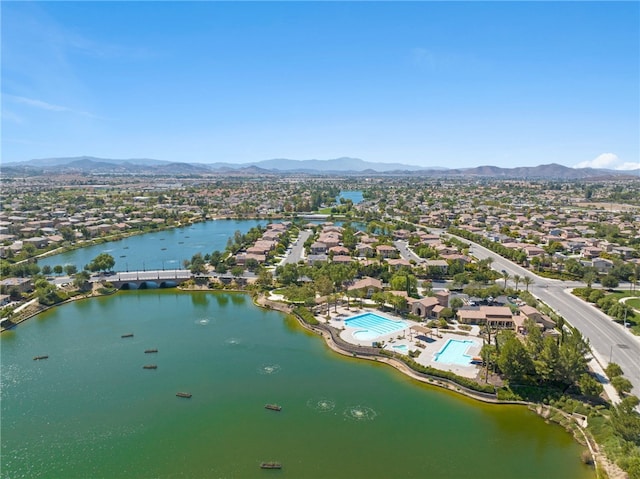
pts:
[306, 315]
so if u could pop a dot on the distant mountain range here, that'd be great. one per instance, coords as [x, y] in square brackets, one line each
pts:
[338, 166]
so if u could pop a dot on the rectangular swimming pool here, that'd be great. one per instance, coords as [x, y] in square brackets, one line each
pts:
[454, 351]
[372, 326]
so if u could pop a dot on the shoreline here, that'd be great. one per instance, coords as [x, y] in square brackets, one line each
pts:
[600, 461]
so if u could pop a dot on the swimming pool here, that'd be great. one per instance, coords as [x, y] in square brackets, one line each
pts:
[371, 326]
[401, 348]
[454, 352]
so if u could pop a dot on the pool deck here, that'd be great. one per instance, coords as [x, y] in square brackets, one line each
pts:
[409, 338]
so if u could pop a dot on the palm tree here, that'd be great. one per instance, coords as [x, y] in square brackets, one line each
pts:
[506, 277]
[527, 281]
[516, 280]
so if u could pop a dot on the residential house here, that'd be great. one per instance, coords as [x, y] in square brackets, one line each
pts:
[367, 285]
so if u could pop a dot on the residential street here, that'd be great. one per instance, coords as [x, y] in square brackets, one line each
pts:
[297, 248]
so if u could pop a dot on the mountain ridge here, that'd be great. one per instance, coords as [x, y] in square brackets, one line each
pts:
[343, 165]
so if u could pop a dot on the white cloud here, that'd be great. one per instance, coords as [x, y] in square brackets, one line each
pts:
[43, 105]
[628, 165]
[605, 160]
[609, 161]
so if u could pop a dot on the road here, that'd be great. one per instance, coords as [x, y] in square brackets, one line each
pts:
[610, 341]
[297, 248]
[406, 253]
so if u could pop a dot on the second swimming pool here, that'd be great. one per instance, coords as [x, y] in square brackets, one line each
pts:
[454, 351]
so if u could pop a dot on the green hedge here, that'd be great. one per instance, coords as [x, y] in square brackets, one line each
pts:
[462, 381]
[306, 315]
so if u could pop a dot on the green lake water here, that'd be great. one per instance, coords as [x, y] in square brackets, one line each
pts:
[91, 411]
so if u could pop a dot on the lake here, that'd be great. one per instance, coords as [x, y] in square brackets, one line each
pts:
[162, 250]
[355, 196]
[91, 410]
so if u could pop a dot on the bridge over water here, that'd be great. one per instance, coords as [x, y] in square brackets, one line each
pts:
[146, 279]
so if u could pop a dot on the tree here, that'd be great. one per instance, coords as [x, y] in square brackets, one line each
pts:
[626, 420]
[67, 233]
[81, 279]
[57, 269]
[102, 262]
[505, 276]
[589, 277]
[456, 303]
[513, 360]
[287, 274]
[447, 313]
[516, 280]
[46, 270]
[589, 386]
[324, 286]
[70, 269]
[197, 264]
[527, 281]
[609, 281]
[622, 384]
[572, 360]
[534, 339]
[546, 365]
[613, 370]
[265, 278]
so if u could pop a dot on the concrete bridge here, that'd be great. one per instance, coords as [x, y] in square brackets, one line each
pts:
[145, 279]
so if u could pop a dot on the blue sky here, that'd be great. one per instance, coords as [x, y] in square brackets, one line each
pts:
[450, 84]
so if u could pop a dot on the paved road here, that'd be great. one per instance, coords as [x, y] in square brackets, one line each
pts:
[406, 253]
[610, 342]
[297, 248]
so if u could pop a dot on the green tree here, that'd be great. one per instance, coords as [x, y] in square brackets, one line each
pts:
[613, 370]
[456, 303]
[589, 386]
[197, 265]
[287, 274]
[622, 384]
[102, 262]
[70, 269]
[626, 420]
[513, 360]
[527, 281]
[81, 280]
[534, 339]
[46, 270]
[572, 361]
[57, 269]
[546, 365]
[447, 313]
[609, 281]
[516, 279]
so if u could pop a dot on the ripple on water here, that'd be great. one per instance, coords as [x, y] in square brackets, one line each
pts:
[321, 404]
[232, 341]
[360, 413]
[269, 369]
[203, 321]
